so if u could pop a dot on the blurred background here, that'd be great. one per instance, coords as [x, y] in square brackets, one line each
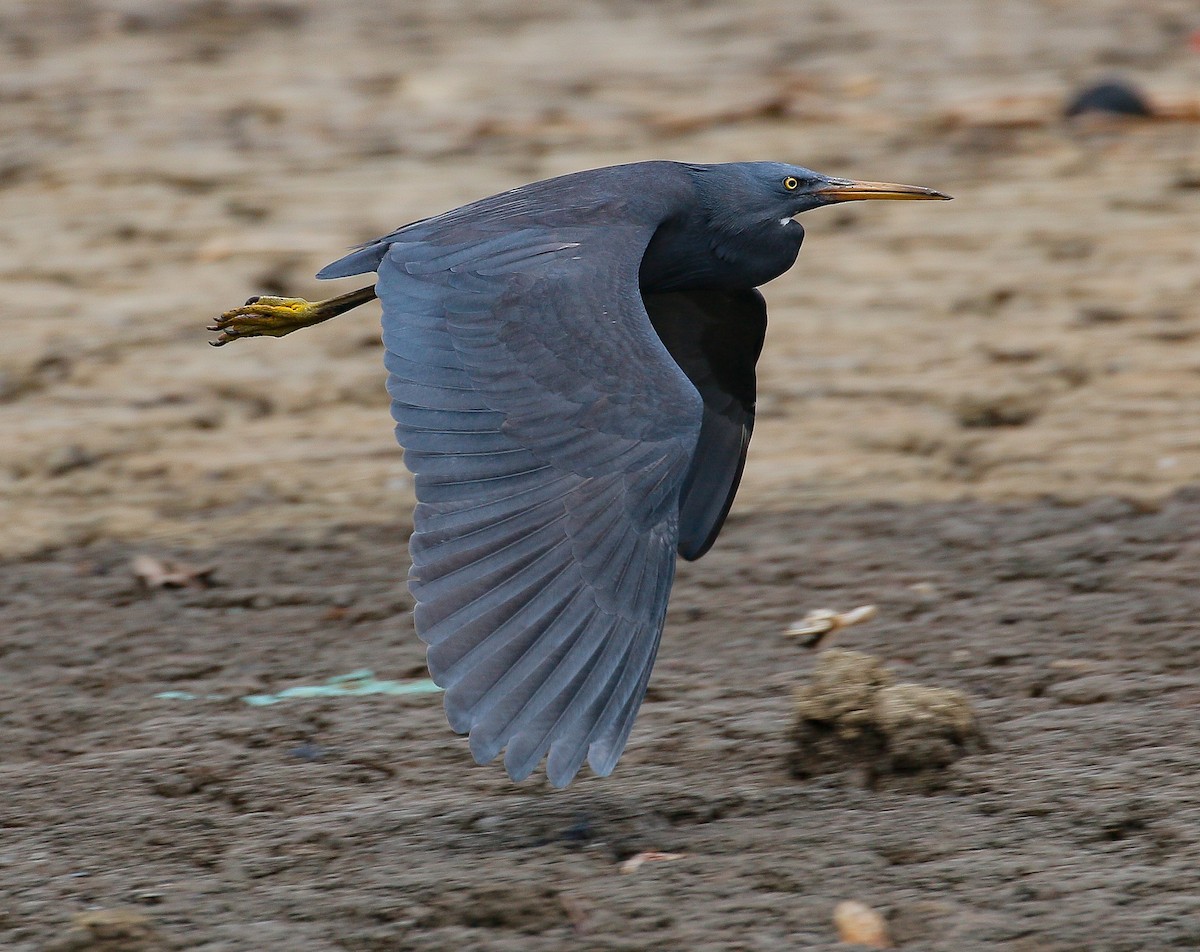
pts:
[161, 161]
[932, 372]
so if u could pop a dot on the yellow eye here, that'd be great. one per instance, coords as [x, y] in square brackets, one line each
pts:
[790, 184]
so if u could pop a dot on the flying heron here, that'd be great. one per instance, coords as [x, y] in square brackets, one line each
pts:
[571, 366]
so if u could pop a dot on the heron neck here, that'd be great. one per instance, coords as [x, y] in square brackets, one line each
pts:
[695, 252]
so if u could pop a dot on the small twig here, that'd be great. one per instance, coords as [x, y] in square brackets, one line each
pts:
[650, 856]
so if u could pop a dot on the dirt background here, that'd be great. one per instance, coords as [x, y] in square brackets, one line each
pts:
[979, 416]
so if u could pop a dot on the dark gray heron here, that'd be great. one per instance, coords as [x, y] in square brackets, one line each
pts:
[571, 366]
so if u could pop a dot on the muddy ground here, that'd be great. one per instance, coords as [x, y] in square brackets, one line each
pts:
[980, 416]
[360, 823]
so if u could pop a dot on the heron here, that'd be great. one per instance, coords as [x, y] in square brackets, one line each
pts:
[571, 367]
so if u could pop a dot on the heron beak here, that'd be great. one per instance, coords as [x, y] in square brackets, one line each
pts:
[848, 190]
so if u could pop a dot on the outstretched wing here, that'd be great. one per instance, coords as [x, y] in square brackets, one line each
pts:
[716, 338]
[550, 433]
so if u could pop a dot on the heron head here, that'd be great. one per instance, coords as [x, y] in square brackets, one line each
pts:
[761, 191]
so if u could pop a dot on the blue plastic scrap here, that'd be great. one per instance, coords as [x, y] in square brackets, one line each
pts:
[345, 685]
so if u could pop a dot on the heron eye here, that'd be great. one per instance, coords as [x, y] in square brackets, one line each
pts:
[790, 183]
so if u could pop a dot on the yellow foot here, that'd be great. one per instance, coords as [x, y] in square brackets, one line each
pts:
[264, 316]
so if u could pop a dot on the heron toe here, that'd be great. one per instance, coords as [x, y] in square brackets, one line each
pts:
[263, 316]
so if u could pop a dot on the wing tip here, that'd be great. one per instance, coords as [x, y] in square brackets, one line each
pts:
[359, 261]
[561, 771]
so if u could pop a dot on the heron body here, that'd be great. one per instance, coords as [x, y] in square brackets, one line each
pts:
[572, 372]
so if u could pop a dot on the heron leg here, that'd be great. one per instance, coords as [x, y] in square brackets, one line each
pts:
[264, 316]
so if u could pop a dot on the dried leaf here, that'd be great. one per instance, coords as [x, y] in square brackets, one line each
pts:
[167, 573]
[859, 924]
[818, 624]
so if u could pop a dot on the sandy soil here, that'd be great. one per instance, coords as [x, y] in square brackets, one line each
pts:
[932, 375]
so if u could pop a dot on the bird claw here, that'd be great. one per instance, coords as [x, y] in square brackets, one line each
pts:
[264, 316]
[818, 625]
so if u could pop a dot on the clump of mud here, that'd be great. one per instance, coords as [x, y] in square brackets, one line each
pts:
[852, 717]
[110, 930]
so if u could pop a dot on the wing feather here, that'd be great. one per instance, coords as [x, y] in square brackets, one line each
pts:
[549, 449]
[716, 338]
